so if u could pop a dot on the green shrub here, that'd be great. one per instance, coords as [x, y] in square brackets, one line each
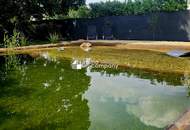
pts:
[54, 37]
[23, 41]
[81, 12]
[15, 40]
[174, 5]
[55, 16]
[73, 13]
[114, 8]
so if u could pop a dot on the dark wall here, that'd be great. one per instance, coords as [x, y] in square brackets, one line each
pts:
[158, 26]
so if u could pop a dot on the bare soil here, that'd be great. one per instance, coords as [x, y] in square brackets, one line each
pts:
[161, 46]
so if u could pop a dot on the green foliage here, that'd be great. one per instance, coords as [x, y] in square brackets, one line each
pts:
[23, 41]
[56, 16]
[23, 11]
[174, 5]
[15, 40]
[73, 14]
[81, 12]
[115, 8]
[54, 37]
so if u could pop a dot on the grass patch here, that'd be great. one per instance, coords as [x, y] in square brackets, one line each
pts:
[156, 61]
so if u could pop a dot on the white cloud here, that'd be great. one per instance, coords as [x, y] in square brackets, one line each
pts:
[154, 105]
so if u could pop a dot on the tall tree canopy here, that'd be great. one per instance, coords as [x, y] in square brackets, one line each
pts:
[23, 10]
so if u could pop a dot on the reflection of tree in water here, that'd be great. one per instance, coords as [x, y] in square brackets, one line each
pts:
[12, 64]
[8, 63]
[168, 78]
[48, 95]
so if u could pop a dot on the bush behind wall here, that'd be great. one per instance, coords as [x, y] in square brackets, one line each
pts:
[116, 8]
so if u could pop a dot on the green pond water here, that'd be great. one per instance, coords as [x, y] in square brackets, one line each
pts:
[45, 93]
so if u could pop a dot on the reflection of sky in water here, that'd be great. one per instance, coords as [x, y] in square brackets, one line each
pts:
[154, 105]
[93, 1]
[53, 90]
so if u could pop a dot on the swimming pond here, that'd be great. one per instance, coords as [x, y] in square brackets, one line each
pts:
[75, 90]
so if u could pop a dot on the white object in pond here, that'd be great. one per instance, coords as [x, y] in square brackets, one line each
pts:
[74, 62]
[79, 66]
[46, 56]
[88, 61]
[61, 49]
[87, 49]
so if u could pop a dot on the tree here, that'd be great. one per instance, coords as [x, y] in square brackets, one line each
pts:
[67, 4]
[81, 12]
[135, 7]
[20, 12]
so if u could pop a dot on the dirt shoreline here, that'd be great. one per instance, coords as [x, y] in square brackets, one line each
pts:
[183, 123]
[161, 46]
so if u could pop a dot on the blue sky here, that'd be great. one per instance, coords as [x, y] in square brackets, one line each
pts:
[91, 1]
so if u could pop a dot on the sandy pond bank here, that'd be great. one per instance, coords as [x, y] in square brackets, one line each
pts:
[161, 46]
[149, 55]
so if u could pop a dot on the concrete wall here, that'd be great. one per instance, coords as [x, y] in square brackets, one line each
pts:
[159, 26]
